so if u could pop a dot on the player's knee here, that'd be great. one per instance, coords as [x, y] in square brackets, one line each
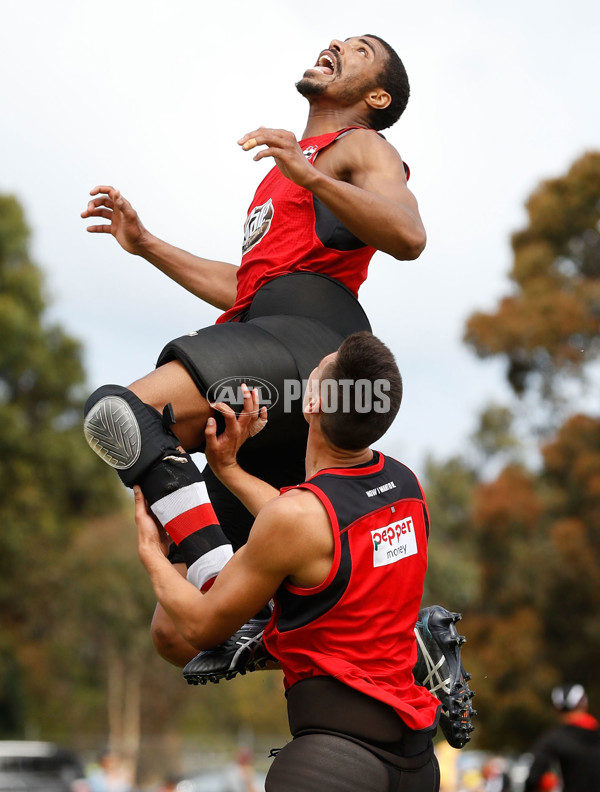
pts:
[127, 434]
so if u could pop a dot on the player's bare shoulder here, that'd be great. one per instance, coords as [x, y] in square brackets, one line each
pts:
[297, 530]
[294, 504]
[360, 153]
[297, 512]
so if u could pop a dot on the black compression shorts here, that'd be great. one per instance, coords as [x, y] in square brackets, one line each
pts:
[293, 322]
[345, 741]
[323, 761]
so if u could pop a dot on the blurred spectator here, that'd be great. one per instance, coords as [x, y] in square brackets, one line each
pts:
[572, 748]
[109, 776]
[240, 777]
[495, 776]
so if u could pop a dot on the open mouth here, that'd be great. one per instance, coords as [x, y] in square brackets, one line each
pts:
[325, 64]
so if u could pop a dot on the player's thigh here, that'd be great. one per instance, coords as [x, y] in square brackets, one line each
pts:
[326, 762]
[172, 384]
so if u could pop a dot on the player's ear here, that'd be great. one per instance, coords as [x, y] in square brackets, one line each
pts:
[313, 404]
[378, 99]
[312, 396]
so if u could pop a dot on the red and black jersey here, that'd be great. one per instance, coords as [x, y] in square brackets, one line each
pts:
[358, 625]
[289, 230]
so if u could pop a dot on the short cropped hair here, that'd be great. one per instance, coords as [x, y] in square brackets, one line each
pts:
[361, 391]
[393, 79]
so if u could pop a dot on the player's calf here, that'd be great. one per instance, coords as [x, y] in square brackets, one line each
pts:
[138, 442]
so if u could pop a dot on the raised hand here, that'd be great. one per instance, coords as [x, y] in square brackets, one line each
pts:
[283, 147]
[221, 450]
[125, 224]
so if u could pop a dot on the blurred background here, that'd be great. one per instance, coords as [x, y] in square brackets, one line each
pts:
[496, 328]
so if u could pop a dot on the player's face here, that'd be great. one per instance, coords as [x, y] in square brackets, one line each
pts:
[348, 70]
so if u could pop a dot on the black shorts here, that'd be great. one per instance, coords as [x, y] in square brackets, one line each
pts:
[345, 741]
[330, 762]
[293, 322]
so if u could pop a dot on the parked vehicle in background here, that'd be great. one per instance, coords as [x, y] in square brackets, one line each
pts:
[31, 766]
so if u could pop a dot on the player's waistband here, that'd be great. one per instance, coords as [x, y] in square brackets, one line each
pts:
[313, 296]
[325, 705]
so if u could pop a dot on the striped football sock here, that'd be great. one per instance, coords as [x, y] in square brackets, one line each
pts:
[179, 500]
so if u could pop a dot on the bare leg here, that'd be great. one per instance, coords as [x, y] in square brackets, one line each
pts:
[172, 383]
[189, 520]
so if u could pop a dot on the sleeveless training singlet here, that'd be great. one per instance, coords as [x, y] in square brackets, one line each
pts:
[358, 625]
[290, 230]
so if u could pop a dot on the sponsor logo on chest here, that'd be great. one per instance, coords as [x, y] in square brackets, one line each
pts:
[309, 152]
[257, 225]
[394, 542]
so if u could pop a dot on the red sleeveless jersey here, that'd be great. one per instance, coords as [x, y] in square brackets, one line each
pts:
[290, 230]
[358, 625]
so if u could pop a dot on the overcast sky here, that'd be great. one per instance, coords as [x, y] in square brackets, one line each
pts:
[152, 96]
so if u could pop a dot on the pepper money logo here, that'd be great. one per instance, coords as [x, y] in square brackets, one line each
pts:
[229, 390]
[257, 225]
[394, 542]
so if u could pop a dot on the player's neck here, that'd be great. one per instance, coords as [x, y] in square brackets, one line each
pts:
[321, 455]
[324, 119]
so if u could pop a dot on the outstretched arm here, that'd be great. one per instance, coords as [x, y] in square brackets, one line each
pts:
[212, 281]
[360, 179]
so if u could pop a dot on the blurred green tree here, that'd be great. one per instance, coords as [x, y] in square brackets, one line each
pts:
[76, 660]
[452, 573]
[48, 479]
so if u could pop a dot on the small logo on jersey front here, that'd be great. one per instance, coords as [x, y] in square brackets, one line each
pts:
[309, 151]
[257, 225]
[394, 542]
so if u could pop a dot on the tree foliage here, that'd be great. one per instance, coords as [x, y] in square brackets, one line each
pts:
[536, 620]
[550, 324]
[570, 608]
[48, 480]
[76, 660]
[536, 531]
[452, 572]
